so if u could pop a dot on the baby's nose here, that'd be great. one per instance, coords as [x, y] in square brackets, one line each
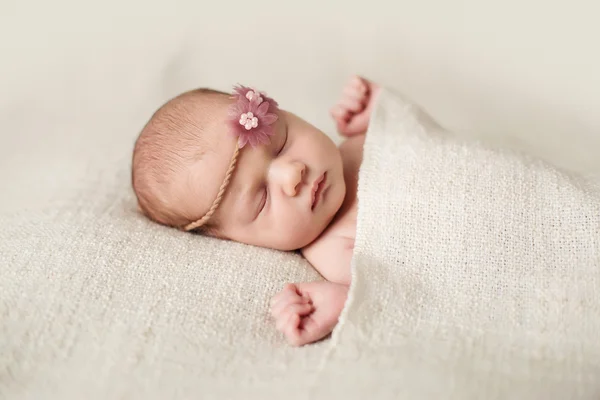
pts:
[293, 176]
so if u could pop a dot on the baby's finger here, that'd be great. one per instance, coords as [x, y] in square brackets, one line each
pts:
[342, 127]
[292, 331]
[290, 299]
[310, 331]
[282, 323]
[358, 82]
[352, 104]
[277, 299]
[287, 314]
[306, 331]
[339, 113]
[359, 94]
[288, 289]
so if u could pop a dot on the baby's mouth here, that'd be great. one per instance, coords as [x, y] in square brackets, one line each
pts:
[317, 189]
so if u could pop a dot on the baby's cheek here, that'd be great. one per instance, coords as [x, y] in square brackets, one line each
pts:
[296, 236]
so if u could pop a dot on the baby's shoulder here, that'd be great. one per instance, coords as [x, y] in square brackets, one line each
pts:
[330, 254]
[334, 236]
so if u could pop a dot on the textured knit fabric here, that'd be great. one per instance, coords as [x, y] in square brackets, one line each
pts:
[476, 273]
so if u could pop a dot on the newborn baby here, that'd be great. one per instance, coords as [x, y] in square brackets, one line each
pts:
[239, 168]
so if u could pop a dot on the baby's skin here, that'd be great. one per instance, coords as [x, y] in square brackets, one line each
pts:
[296, 190]
[307, 312]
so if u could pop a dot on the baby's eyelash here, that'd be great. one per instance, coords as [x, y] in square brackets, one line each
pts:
[265, 196]
[264, 200]
[284, 141]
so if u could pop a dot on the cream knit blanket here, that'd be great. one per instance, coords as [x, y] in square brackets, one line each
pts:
[476, 273]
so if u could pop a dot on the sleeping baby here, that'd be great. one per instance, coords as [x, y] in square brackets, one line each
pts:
[236, 167]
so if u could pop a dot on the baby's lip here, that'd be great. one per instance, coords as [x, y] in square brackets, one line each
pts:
[317, 189]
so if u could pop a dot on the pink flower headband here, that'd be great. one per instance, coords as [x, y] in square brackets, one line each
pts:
[251, 119]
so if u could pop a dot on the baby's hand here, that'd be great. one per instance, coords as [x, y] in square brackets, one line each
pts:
[353, 111]
[307, 312]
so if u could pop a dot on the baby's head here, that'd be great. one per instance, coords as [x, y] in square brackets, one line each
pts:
[190, 170]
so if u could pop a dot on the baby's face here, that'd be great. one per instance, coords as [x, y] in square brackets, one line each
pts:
[282, 195]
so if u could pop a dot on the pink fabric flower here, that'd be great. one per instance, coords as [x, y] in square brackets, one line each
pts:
[251, 116]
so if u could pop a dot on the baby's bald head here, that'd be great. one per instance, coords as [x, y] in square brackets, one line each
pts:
[180, 134]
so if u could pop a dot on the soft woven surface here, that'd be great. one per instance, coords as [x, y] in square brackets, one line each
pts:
[97, 303]
[476, 273]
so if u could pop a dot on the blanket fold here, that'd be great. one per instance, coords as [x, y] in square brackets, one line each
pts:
[476, 271]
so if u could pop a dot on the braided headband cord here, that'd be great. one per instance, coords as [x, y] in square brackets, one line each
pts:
[251, 118]
[198, 223]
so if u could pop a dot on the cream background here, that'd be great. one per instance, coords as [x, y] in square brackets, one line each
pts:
[527, 69]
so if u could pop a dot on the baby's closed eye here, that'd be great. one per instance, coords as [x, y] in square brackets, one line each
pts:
[284, 141]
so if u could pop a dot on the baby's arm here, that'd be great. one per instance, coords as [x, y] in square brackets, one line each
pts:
[307, 312]
[353, 111]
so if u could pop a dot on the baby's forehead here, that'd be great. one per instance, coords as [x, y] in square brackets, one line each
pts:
[207, 120]
[218, 147]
